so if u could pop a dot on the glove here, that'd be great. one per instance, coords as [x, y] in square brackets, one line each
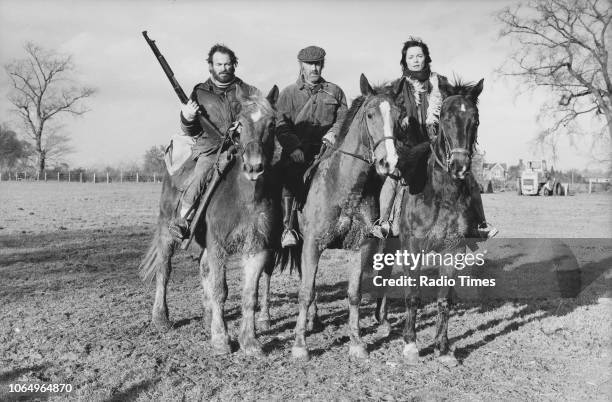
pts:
[189, 110]
[432, 130]
[330, 137]
[297, 156]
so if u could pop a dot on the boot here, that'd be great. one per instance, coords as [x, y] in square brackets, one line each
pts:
[290, 236]
[380, 229]
[179, 229]
[486, 231]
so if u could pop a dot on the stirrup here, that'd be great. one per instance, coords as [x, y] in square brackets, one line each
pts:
[486, 231]
[179, 229]
[381, 229]
[289, 238]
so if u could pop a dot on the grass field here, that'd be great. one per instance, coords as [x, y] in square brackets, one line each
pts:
[73, 310]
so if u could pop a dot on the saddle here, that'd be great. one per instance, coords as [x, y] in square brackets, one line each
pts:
[181, 169]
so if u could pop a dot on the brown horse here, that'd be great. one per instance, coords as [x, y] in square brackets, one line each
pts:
[342, 203]
[242, 219]
[436, 211]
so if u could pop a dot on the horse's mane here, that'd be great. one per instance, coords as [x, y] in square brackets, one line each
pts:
[259, 101]
[350, 116]
[356, 106]
[461, 87]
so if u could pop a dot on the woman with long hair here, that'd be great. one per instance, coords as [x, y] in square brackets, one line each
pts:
[420, 102]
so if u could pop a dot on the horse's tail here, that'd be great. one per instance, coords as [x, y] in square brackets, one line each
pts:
[289, 258]
[152, 260]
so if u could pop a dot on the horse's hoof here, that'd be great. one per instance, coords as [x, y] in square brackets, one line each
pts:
[162, 324]
[358, 351]
[300, 353]
[448, 360]
[252, 348]
[263, 325]
[411, 353]
[221, 347]
[384, 329]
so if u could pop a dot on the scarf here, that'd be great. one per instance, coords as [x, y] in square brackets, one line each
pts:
[420, 76]
[425, 93]
[222, 85]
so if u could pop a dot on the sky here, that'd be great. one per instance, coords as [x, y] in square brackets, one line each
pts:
[135, 107]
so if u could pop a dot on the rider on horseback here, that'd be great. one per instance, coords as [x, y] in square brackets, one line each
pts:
[420, 103]
[307, 110]
[217, 98]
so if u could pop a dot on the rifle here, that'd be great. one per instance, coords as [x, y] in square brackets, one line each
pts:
[206, 125]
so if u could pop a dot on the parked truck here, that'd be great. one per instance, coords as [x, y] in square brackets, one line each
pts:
[535, 179]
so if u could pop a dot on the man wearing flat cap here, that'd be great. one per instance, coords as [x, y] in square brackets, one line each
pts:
[307, 111]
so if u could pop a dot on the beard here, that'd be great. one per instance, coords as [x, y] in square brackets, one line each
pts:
[224, 76]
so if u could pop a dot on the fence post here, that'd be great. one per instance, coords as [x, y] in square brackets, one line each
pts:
[45, 175]
[38, 176]
[69, 176]
[94, 177]
[136, 177]
[154, 180]
[58, 175]
[107, 181]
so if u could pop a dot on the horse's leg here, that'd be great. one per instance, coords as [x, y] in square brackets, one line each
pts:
[384, 327]
[165, 248]
[253, 266]
[215, 289]
[310, 260]
[263, 318]
[381, 312]
[413, 301]
[357, 347]
[205, 294]
[411, 351]
[442, 347]
[314, 323]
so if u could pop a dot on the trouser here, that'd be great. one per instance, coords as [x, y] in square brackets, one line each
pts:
[389, 193]
[197, 183]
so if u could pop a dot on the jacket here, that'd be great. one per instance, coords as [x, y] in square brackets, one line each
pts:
[305, 115]
[221, 107]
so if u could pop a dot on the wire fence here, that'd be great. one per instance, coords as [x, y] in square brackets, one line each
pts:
[82, 176]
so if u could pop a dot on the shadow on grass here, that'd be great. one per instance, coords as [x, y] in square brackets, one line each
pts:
[132, 393]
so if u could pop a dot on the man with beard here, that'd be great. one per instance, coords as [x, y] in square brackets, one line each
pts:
[307, 110]
[217, 98]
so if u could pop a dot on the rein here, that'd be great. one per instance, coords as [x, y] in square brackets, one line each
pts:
[449, 152]
[372, 148]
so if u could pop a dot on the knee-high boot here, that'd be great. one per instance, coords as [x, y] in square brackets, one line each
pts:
[290, 235]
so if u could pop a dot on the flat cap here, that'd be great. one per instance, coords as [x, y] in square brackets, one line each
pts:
[311, 54]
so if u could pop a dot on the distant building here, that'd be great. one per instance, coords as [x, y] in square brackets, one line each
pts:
[494, 171]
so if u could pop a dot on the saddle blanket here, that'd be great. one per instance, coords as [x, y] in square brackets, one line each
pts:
[178, 152]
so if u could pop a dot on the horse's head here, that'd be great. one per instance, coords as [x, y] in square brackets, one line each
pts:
[458, 125]
[256, 131]
[380, 115]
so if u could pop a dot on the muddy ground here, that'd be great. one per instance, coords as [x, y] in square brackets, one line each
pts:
[73, 311]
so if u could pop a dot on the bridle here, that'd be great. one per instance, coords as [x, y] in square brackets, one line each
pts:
[449, 152]
[369, 158]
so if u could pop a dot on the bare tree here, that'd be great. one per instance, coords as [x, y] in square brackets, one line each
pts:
[43, 89]
[561, 45]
